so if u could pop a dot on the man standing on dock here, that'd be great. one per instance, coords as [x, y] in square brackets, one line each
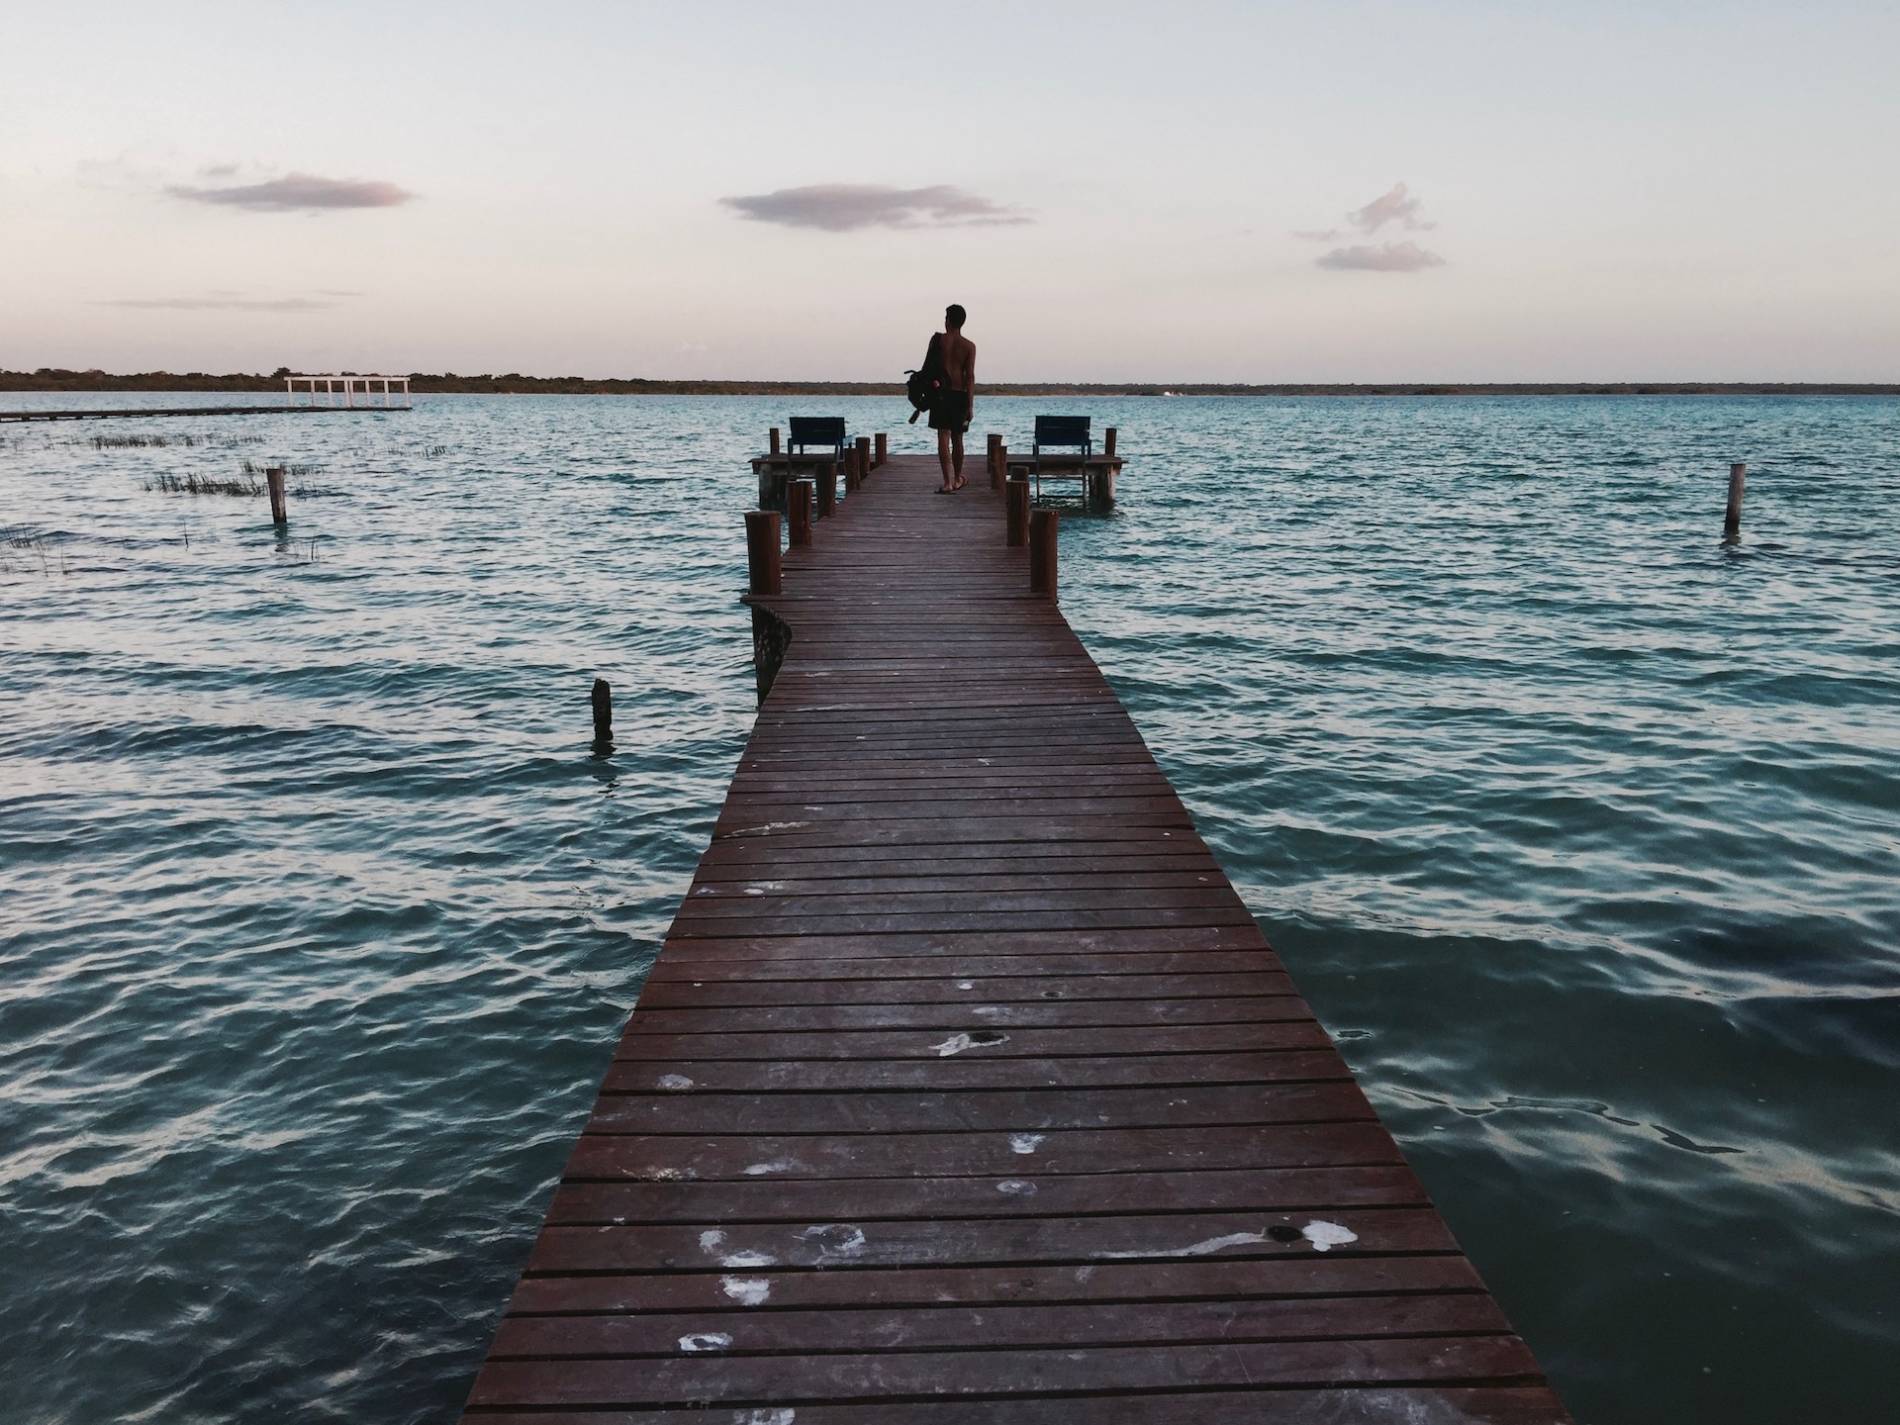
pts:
[954, 400]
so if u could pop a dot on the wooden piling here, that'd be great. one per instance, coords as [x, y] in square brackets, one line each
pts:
[1732, 518]
[1042, 553]
[761, 551]
[882, 449]
[827, 489]
[1016, 511]
[774, 438]
[1108, 441]
[864, 457]
[603, 700]
[996, 461]
[274, 481]
[798, 501]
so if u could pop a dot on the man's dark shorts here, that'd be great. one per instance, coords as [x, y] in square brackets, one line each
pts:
[950, 410]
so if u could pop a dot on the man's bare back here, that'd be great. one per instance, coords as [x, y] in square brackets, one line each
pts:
[959, 362]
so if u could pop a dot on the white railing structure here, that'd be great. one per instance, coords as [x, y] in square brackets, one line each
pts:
[347, 387]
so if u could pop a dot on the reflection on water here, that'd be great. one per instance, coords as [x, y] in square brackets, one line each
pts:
[321, 911]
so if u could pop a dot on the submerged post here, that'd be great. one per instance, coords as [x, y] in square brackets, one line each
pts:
[882, 449]
[1016, 511]
[773, 433]
[798, 501]
[1042, 553]
[603, 700]
[827, 489]
[1732, 519]
[761, 550]
[274, 481]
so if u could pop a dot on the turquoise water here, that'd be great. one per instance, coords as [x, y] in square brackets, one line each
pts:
[318, 918]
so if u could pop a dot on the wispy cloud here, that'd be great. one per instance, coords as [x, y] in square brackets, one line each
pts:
[1386, 257]
[1396, 206]
[845, 207]
[298, 193]
[218, 304]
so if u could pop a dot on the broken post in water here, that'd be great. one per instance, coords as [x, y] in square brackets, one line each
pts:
[602, 698]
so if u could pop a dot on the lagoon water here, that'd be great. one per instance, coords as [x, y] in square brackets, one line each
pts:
[318, 919]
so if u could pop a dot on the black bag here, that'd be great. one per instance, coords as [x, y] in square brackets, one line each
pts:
[922, 386]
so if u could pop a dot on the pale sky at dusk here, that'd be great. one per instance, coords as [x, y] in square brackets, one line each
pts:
[1185, 192]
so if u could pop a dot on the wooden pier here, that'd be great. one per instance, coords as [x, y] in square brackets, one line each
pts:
[965, 1087]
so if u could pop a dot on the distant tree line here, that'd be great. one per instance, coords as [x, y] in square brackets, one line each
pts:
[48, 378]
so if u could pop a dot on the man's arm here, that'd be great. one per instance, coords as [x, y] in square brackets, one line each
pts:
[970, 372]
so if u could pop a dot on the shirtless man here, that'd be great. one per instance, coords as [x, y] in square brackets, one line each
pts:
[954, 401]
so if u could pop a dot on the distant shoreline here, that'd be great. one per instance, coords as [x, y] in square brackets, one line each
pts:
[513, 383]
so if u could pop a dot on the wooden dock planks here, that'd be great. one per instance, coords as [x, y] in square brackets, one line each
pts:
[965, 1087]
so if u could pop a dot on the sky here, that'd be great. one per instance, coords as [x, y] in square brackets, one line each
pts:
[1159, 192]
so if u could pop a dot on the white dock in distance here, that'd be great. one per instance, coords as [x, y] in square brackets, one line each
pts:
[378, 392]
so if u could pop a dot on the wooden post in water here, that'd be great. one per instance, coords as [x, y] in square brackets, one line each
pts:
[798, 501]
[864, 457]
[883, 449]
[1016, 511]
[274, 481]
[1108, 441]
[996, 465]
[1042, 553]
[774, 436]
[827, 490]
[761, 550]
[1732, 520]
[603, 700]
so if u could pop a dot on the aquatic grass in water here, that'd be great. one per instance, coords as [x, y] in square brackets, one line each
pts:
[195, 484]
[321, 917]
[163, 442]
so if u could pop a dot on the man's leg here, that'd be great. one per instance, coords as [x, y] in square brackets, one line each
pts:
[956, 454]
[943, 455]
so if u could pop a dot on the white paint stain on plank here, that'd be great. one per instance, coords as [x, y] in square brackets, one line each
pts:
[959, 1043]
[836, 1241]
[675, 1082]
[1327, 1235]
[1194, 1249]
[747, 1291]
[705, 1341]
[713, 1244]
[1025, 1142]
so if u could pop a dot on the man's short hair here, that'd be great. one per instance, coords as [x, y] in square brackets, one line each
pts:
[954, 315]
